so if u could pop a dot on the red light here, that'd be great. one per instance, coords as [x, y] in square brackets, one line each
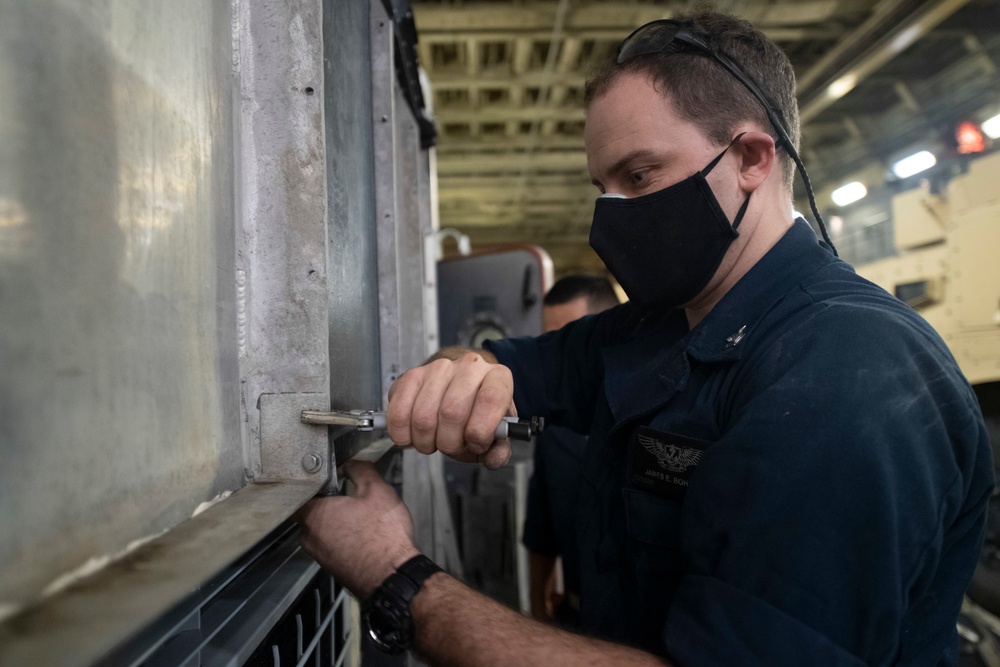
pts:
[970, 138]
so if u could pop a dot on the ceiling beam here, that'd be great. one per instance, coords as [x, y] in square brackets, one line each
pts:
[500, 114]
[565, 161]
[615, 35]
[553, 209]
[569, 54]
[582, 191]
[522, 55]
[906, 33]
[485, 16]
[508, 182]
[874, 25]
[492, 145]
[501, 77]
[778, 21]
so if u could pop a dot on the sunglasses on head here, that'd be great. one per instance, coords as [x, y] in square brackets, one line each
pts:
[667, 37]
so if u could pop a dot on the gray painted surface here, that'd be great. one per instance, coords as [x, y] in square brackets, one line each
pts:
[118, 361]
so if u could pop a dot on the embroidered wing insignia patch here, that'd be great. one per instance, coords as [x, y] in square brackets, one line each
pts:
[670, 457]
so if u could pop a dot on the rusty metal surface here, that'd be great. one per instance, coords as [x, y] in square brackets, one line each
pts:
[118, 364]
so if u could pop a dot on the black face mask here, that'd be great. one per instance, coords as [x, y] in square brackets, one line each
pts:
[664, 247]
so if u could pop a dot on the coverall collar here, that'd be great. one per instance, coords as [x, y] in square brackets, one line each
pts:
[644, 373]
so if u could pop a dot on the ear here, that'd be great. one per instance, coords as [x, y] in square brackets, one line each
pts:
[757, 159]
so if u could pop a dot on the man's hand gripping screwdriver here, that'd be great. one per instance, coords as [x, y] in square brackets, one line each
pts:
[372, 420]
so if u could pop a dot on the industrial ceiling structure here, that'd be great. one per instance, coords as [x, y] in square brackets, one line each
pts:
[877, 80]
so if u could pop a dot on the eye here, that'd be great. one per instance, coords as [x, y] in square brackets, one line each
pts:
[638, 177]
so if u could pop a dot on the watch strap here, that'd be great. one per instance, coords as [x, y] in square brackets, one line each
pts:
[418, 569]
[392, 600]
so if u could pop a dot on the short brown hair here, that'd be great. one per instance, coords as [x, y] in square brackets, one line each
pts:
[597, 290]
[705, 94]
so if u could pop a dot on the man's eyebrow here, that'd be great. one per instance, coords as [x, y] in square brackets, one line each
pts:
[622, 164]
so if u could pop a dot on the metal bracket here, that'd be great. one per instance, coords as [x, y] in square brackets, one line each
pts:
[290, 449]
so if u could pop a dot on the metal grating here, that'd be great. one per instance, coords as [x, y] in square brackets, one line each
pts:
[309, 633]
[273, 608]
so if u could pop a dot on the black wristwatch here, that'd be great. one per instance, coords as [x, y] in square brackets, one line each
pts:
[387, 611]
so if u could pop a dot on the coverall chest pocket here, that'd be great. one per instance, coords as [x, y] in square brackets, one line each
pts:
[653, 559]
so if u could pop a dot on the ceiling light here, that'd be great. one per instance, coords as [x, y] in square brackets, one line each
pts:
[991, 127]
[848, 194]
[914, 164]
[841, 86]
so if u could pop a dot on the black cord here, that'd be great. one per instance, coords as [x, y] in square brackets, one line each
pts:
[812, 201]
[783, 139]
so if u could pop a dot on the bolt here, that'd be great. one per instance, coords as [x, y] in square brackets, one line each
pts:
[312, 462]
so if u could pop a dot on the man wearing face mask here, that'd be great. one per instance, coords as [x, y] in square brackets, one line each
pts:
[785, 465]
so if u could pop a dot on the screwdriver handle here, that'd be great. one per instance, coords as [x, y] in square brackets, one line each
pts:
[519, 429]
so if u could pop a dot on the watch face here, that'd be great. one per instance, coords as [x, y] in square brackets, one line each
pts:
[384, 626]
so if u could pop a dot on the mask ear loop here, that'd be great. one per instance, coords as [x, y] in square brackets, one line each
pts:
[739, 214]
[711, 165]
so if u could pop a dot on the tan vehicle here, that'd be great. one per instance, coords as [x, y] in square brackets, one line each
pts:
[948, 268]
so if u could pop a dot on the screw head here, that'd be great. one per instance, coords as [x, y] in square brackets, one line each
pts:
[312, 462]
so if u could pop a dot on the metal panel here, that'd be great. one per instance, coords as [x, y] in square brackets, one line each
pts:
[494, 295]
[404, 222]
[918, 218]
[412, 227]
[975, 281]
[354, 332]
[282, 229]
[384, 137]
[289, 448]
[124, 313]
[119, 390]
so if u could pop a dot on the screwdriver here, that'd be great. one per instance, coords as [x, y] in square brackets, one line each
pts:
[371, 420]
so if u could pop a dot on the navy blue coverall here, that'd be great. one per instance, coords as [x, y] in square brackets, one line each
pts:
[550, 515]
[800, 479]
